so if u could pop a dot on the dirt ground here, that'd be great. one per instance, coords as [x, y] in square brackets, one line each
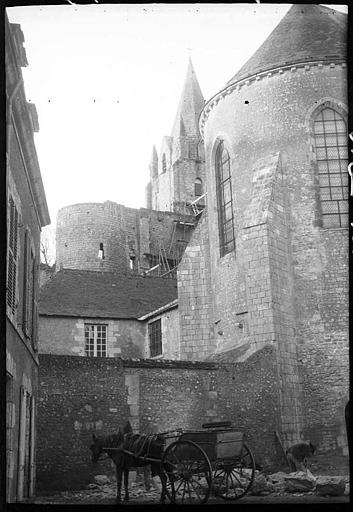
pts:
[138, 496]
[106, 494]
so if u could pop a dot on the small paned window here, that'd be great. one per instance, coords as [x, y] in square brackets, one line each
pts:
[330, 133]
[225, 200]
[12, 255]
[96, 340]
[155, 338]
[198, 187]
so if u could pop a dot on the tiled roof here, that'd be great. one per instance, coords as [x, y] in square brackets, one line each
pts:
[82, 293]
[306, 33]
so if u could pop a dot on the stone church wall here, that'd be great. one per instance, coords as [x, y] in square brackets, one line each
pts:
[194, 297]
[80, 396]
[263, 116]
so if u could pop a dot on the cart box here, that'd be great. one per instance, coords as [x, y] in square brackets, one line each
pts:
[217, 445]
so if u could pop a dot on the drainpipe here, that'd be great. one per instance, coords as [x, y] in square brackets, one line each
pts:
[8, 117]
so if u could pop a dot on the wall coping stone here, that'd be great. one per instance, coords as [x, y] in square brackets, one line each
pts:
[119, 362]
[73, 360]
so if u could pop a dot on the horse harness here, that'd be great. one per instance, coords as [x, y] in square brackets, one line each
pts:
[137, 446]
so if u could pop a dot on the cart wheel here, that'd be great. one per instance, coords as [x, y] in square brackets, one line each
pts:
[188, 473]
[233, 478]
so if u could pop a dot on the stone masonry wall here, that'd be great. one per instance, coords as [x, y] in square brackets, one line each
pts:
[323, 342]
[124, 232]
[65, 335]
[80, 230]
[194, 297]
[265, 116]
[171, 189]
[282, 284]
[170, 334]
[80, 396]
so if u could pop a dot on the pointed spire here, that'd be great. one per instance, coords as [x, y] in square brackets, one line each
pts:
[308, 32]
[154, 163]
[190, 105]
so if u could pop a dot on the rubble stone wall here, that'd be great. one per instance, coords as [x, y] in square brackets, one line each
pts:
[124, 233]
[80, 396]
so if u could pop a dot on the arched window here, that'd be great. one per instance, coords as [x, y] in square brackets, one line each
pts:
[164, 163]
[225, 200]
[330, 132]
[198, 187]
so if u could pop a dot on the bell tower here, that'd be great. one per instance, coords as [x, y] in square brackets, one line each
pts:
[179, 172]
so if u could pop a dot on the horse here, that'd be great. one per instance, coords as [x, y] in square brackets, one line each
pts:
[143, 447]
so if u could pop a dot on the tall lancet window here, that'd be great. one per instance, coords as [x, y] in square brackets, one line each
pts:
[330, 133]
[164, 163]
[225, 200]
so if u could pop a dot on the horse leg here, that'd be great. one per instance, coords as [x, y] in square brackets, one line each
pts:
[147, 477]
[126, 484]
[164, 483]
[119, 473]
[165, 477]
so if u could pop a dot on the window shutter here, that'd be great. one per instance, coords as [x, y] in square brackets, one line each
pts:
[34, 307]
[30, 283]
[21, 443]
[32, 470]
[12, 256]
[25, 283]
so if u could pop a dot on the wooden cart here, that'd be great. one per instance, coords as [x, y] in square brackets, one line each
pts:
[212, 461]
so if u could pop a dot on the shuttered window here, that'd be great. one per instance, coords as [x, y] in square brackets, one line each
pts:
[12, 255]
[28, 287]
[35, 306]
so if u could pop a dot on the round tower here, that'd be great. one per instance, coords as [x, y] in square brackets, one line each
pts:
[276, 170]
[91, 236]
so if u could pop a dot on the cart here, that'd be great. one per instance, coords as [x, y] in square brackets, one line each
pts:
[212, 461]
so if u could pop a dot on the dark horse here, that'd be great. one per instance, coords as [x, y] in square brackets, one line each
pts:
[143, 446]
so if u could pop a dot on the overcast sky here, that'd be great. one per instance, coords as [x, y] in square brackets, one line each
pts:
[106, 81]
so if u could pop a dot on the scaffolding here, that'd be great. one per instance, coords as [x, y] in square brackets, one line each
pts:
[198, 205]
[167, 260]
[165, 264]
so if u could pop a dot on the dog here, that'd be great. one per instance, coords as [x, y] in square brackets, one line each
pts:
[297, 455]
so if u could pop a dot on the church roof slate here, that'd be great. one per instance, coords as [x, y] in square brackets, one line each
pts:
[191, 103]
[306, 33]
[83, 293]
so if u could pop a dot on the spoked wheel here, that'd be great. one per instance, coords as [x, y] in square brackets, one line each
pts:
[188, 473]
[233, 478]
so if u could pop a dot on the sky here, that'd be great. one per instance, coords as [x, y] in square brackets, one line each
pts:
[106, 81]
